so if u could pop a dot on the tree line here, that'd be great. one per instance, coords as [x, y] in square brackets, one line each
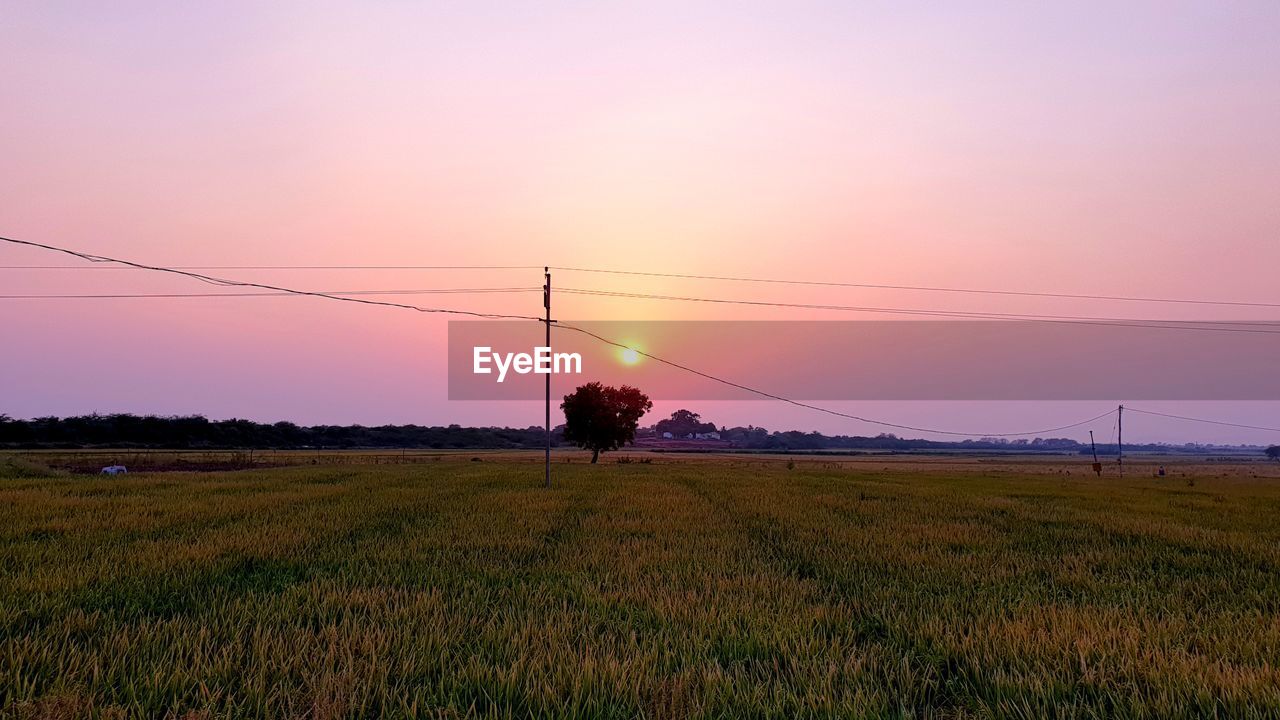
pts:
[195, 431]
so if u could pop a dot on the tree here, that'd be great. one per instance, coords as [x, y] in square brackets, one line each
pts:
[1273, 452]
[600, 418]
[683, 422]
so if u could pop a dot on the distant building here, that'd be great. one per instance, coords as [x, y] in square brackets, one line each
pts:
[668, 436]
[713, 435]
[114, 470]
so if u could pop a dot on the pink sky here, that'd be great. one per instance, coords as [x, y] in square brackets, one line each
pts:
[1086, 148]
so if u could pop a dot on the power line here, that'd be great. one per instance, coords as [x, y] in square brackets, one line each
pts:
[922, 288]
[118, 296]
[819, 408]
[1200, 420]
[280, 267]
[240, 283]
[689, 276]
[234, 283]
[1072, 319]
[1065, 319]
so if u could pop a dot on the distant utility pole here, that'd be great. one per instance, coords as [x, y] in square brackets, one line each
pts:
[546, 303]
[1097, 466]
[1120, 439]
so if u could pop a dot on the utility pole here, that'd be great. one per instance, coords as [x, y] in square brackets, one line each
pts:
[1097, 466]
[1120, 439]
[546, 303]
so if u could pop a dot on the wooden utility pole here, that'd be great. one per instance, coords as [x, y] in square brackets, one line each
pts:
[1097, 466]
[546, 304]
[1120, 439]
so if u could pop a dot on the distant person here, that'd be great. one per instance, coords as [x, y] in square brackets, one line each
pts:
[1160, 472]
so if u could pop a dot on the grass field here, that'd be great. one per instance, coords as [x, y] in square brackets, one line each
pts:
[682, 588]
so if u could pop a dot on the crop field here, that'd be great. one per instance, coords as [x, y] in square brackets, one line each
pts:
[660, 588]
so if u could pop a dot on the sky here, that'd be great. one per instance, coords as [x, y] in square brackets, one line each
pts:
[1120, 149]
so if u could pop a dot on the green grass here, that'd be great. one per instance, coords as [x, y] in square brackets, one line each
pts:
[677, 589]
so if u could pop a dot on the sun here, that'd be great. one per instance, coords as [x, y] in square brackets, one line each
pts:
[630, 356]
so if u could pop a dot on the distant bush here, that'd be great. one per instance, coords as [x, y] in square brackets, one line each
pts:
[12, 468]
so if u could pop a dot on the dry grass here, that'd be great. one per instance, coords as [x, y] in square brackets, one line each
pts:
[666, 590]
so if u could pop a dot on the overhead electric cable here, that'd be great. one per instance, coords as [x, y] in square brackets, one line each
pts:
[1130, 408]
[235, 283]
[974, 314]
[281, 267]
[819, 408]
[241, 283]
[921, 288]
[115, 296]
[694, 276]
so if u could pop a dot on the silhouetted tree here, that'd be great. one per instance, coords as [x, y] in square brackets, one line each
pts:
[601, 418]
[683, 422]
[1273, 452]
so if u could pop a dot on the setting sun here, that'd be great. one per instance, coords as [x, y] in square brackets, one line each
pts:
[630, 356]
